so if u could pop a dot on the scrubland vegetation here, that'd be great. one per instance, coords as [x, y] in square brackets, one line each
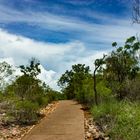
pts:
[112, 93]
[23, 97]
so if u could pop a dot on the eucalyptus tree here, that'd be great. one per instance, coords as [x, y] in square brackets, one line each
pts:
[122, 64]
[27, 85]
[71, 81]
[6, 71]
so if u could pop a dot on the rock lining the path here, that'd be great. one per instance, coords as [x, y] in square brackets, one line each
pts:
[92, 131]
[16, 132]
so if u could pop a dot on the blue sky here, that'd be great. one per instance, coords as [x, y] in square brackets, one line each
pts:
[62, 32]
[86, 11]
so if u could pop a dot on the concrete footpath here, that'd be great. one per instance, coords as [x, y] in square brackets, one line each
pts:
[65, 123]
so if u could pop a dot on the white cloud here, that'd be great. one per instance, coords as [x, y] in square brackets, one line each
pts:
[110, 28]
[24, 48]
[47, 76]
[55, 58]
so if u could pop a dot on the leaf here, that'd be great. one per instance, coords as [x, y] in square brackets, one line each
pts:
[127, 46]
[136, 46]
[131, 39]
[22, 67]
[119, 49]
[114, 44]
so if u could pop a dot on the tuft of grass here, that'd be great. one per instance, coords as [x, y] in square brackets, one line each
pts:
[122, 119]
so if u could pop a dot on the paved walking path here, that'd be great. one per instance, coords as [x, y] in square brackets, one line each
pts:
[65, 123]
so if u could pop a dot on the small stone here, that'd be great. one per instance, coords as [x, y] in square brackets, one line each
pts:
[88, 135]
[13, 125]
[94, 131]
[106, 138]
[14, 132]
[3, 114]
[96, 135]
[91, 128]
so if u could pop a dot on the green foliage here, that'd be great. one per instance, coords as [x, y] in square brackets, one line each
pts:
[84, 94]
[121, 119]
[28, 88]
[32, 70]
[99, 62]
[5, 72]
[23, 98]
[1, 96]
[26, 112]
[52, 96]
[114, 44]
[78, 72]
[104, 92]
[55, 96]
[132, 89]
[120, 77]
[121, 65]
[127, 122]
[105, 109]
[77, 83]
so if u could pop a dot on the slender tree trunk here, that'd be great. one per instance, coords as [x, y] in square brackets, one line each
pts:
[97, 65]
[95, 90]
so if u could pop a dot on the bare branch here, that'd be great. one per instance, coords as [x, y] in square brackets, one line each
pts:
[136, 11]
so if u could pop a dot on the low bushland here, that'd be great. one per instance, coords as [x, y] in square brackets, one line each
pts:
[119, 120]
[22, 99]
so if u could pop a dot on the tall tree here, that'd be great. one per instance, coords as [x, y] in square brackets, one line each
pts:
[122, 64]
[27, 85]
[72, 81]
[5, 72]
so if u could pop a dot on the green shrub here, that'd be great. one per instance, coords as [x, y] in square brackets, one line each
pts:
[1, 96]
[84, 93]
[108, 108]
[62, 96]
[104, 93]
[26, 112]
[122, 119]
[52, 96]
[127, 125]
[42, 101]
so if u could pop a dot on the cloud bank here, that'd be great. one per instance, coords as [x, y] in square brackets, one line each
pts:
[54, 58]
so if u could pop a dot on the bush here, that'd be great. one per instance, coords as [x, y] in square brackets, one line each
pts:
[53, 96]
[108, 108]
[1, 97]
[120, 120]
[104, 93]
[42, 100]
[127, 125]
[84, 93]
[26, 112]
[132, 89]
